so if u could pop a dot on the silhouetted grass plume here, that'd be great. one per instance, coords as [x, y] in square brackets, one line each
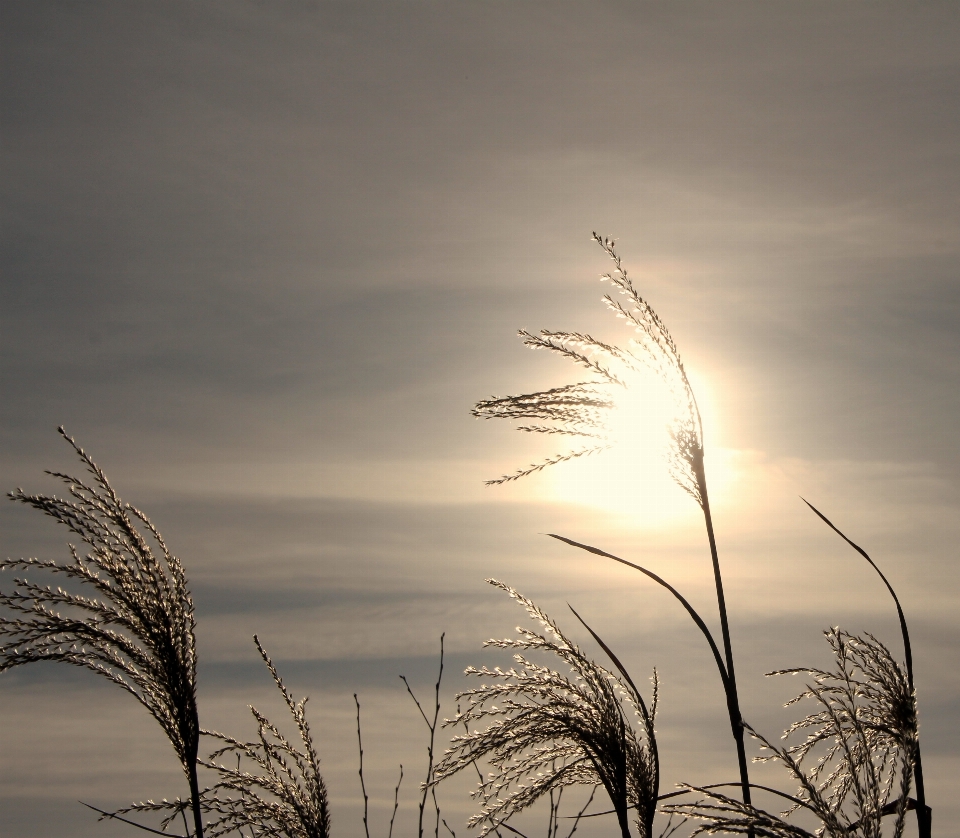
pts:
[861, 741]
[584, 409]
[275, 789]
[924, 813]
[133, 624]
[547, 731]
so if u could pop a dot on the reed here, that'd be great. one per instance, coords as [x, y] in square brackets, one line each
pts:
[133, 623]
[583, 410]
[275, 789]
[861, 740]
[547, 731]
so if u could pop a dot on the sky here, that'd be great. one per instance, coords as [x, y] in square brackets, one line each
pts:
[260, 260]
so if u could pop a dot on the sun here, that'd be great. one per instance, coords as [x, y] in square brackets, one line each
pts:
[632, 477]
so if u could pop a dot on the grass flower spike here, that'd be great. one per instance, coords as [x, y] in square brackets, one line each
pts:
[133, 625]
[277, 793]
[285, 796]
[547, 731]
[861, 741]
[586, 410]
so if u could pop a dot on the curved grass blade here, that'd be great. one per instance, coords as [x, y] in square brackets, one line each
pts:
[647, 718]
[616, 663]
[680, 597]
[924, 812]
[908, 653]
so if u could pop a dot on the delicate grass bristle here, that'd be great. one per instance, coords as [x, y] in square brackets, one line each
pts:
[137, 630]
[547, 730]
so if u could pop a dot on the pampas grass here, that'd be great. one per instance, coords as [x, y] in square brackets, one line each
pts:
[547, 731]
[134, 622]
[282, 794]
[861, 740]
[924, 813]
[274, 790]
[584, 409]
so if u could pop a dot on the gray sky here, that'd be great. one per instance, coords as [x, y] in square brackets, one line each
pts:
[261, 259]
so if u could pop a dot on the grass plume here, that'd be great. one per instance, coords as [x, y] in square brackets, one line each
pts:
[133, 624]
[855, 761]
[285, 795]
[924, 813]
[586, 409]
[547, 731]
[280, 794]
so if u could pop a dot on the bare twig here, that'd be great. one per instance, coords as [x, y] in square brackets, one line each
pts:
[396, 802]
[363, 787]
[429, 787]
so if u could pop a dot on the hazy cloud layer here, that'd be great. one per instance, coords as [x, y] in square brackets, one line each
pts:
[261, 260]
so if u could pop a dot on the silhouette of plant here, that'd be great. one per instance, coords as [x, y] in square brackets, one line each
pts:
[548, 731]
[584, 409]
[924, 813]
[133, 625]
[284, 796]
[280, 795]
[862, 741]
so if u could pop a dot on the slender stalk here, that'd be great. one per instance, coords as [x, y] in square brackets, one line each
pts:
[113, 816]
[396, 803]
[733, 700]
[363, 786]
[429, 786]
[580, 814]
[195, 798]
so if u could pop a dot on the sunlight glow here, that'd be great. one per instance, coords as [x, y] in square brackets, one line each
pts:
[633, 476]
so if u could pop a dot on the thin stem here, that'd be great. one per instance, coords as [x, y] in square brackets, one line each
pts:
[115, 817]
[579, 815]
[195, 796]
[553, 821]
[432, 727]
[363, 787]
[733, 701]
[396, 803]
[183, 815]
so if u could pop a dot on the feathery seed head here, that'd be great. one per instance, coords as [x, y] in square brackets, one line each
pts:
[546, 730]
[274, 788]
[860, 744]
[602, 411]
[131, 620]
